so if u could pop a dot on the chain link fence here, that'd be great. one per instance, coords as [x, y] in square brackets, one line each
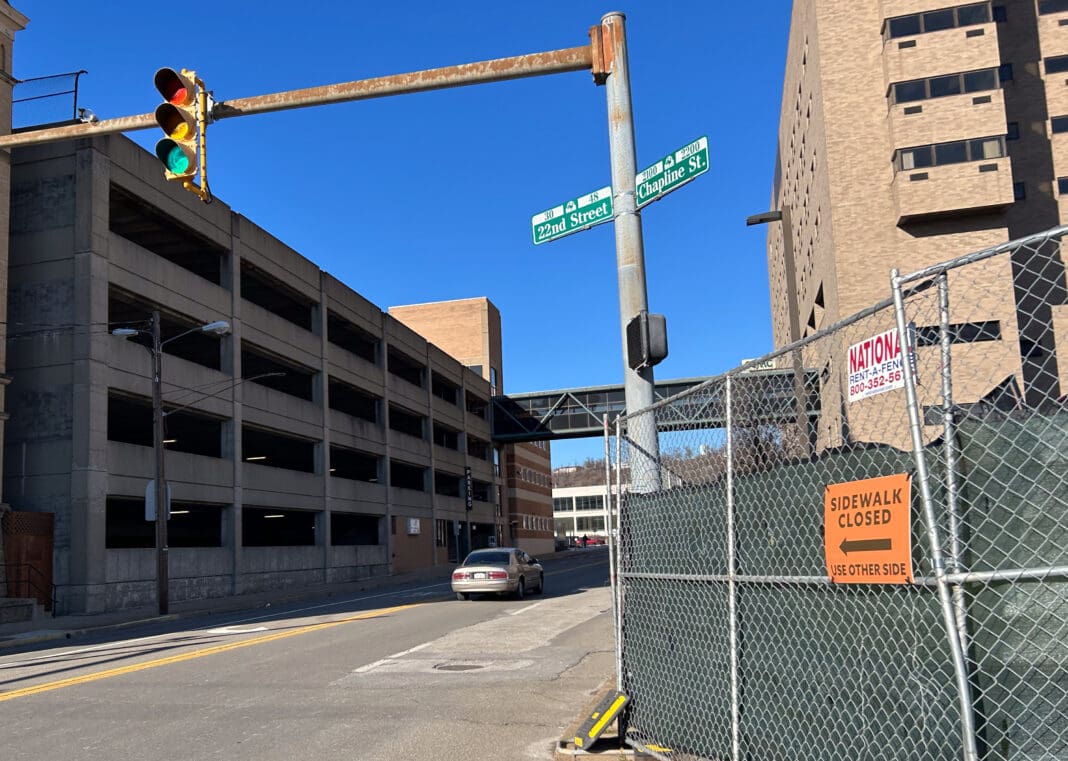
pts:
[857, 547]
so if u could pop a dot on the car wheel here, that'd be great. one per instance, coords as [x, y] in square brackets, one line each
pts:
[541, 584]
[521, 590]
[461, 595]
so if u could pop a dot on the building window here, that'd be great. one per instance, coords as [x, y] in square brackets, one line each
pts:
[904, 26]
[1000, 14]
[960, 333]
[906, 92]
[1005, 73]
[935, 21]
[1012, 131]
[1051, 6]
[595, 502]
[1019, 191]
[1062, 186]
[942, 86]
[1056, 64]
[978, 81]
[1059, 124]
[956, 152]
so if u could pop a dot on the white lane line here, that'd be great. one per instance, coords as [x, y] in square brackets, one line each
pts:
[388, 658]
[232, 630]
[523, 610]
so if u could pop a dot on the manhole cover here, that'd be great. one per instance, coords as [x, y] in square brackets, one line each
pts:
[458, 666]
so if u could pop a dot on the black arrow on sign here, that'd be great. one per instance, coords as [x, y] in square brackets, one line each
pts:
[864, 545]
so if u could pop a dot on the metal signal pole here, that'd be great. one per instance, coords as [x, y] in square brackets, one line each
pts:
[638, 385]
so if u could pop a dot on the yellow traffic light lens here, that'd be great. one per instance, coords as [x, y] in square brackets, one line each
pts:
[177, 123]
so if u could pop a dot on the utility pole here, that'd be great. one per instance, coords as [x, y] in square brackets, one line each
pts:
[638, 385]
[162, 554]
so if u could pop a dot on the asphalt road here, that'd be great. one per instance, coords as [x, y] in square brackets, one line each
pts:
[405, 673]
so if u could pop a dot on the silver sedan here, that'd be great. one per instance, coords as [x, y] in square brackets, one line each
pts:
[498, 570]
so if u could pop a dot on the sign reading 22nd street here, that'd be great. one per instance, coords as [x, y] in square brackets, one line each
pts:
[572, 216]
[671, 172]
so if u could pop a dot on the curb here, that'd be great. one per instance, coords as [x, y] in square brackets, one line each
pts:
[47, 635]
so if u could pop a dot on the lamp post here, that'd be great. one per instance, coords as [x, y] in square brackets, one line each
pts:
[219, 327]
[782, 215]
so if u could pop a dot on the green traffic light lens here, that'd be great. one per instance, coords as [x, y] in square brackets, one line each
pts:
[177, 161]
[175, 157]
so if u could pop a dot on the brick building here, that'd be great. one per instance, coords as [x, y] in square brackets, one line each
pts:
[912, 132]
[470, 330]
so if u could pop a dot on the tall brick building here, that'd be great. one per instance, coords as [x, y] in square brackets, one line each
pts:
[470, 331]
[912, 133]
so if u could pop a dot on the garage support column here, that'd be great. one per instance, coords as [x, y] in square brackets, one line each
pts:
[237, 585]
[324, 396]
[433, 461]
[89, 363]
[387, 438]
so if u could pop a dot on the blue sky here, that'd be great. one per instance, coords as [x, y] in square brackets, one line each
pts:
[429, 197]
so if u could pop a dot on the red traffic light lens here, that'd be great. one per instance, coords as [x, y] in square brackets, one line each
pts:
[174, 87]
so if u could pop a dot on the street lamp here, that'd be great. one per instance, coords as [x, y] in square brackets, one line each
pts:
[219, 328]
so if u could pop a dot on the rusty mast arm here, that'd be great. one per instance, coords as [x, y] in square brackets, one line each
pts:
[497, 70]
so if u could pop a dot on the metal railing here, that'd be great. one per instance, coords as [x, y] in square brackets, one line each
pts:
[47, 100]
[26, 580]
[886, 579]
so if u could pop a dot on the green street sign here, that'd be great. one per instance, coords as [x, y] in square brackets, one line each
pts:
[572, 216]
[671, 172]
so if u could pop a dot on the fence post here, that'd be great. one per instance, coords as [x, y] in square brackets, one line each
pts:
[732, 591]
[949, 447]
[949, 615]
[609, 526]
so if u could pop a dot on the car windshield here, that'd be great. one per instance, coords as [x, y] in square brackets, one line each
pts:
[487, 558]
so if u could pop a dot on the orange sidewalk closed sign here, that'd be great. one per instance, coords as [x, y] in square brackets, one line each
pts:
[867, 537]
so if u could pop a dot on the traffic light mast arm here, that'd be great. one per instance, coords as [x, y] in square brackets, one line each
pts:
[516, 67]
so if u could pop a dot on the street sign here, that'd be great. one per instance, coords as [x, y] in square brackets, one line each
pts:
[867, 535]
[671, 172]
[572, 216]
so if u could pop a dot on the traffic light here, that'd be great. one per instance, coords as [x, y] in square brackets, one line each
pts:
[183, 118]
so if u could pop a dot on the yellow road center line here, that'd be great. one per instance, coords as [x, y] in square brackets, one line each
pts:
[49, 686]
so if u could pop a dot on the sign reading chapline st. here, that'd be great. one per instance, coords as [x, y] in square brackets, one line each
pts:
[572, 216]
[671, 172]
